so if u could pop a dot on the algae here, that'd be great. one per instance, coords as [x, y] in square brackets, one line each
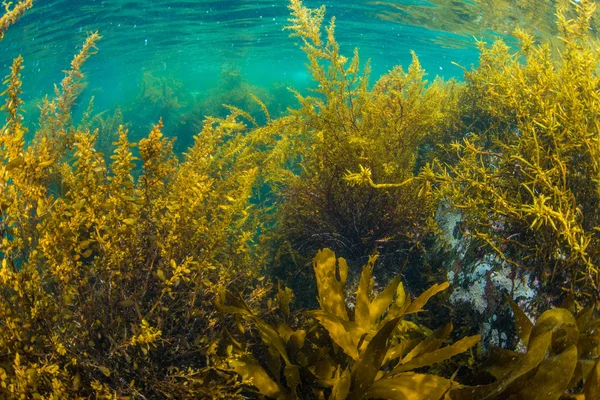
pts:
[158, 283]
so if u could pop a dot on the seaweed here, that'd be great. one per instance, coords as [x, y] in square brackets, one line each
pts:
[346, 123]
[527, 182]
[382, 354]
[12, 15]
[560, 361]
[103, 271]
[116, 283]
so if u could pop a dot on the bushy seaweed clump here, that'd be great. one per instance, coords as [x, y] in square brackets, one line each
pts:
[106, 280]
[527, 179]
[347, 123]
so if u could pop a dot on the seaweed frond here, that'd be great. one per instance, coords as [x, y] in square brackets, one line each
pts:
[56, 113]
[380, 345]
[560, 361]
[12, 15]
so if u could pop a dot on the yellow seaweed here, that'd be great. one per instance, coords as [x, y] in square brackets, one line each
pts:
[371, 343]
[527, 183]
[12, 15]
[555, 363]
[122, 285]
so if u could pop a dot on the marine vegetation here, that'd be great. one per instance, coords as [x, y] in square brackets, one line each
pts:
[348, 122]
[560, 360]
[106, 280]
[232, 89]
[159, 95]
[369, 351]
[106, 128]
[145, 274]
[12, 15]
[527, 178]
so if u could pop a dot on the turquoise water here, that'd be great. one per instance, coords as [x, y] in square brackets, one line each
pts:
[188, 43]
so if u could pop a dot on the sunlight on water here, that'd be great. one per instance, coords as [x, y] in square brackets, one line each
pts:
[190, 43]
[193, 40]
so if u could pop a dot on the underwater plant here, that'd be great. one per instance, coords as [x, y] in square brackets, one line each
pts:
[161, 95]
[372, 351]
[346, 122]
[526, 181]
[561, 360]
[12, 15]
[232, 89]
[106, 280]
[117, 283]
[106, 128]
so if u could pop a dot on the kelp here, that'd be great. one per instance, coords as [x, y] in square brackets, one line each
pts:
[380, 346]
[561, 360]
